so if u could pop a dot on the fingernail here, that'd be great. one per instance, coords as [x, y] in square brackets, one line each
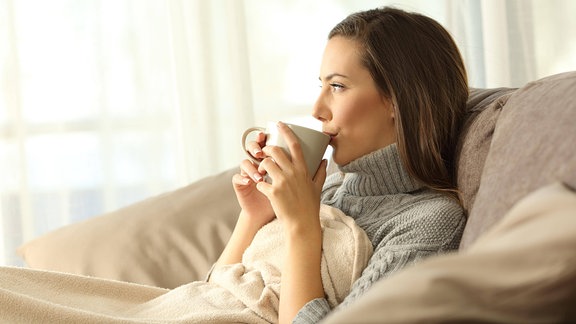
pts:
[256, 151]
[245, 181]
[257, 177]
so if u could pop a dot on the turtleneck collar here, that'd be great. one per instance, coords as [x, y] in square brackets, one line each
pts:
[378, 173]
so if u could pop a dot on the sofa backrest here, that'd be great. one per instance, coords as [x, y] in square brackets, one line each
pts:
[514, 142]
[483, 109]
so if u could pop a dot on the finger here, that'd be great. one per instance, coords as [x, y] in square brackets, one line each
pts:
[255, 149]
[278, 155]
[240, 180]
[248, 168]
[293, 144]
[261, 139]
[265, 188]
[269, 166]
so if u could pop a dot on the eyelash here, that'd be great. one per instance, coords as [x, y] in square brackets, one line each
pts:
[336, 87]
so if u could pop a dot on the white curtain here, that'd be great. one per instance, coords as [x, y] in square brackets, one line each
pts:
[103, 103]
[106, 102]
[212, 89]
[509, 43]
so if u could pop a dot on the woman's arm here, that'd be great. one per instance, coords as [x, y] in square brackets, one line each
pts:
[301, 273]
[256, 211]
[295, 198]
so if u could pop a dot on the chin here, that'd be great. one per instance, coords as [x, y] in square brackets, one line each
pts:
[339, 159]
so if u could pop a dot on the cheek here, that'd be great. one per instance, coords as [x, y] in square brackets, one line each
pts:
[353, 109]
[348, 115]
[369, 126]
[359, 113]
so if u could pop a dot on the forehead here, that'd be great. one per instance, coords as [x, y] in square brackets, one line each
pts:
[341, 55]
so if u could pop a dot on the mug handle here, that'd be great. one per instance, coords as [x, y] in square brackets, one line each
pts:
[245, 135]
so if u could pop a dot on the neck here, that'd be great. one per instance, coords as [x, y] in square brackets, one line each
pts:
[379, 173]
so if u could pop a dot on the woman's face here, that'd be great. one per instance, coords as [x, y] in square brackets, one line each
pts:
[352, 111]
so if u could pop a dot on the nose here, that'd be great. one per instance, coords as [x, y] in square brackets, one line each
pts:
[321, 110]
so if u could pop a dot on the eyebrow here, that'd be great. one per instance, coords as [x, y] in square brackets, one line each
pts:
[332, 75]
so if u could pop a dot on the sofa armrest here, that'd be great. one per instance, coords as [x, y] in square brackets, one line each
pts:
[164, 241]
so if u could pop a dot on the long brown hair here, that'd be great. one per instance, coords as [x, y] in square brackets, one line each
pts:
[416, 64]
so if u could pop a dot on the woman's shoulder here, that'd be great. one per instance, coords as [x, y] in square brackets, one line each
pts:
[432, 220]
[431, 204]
[436, 210]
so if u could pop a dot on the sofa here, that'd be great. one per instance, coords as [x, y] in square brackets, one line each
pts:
[516, 172]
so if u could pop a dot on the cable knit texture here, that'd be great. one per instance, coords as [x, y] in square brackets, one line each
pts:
[405, 221]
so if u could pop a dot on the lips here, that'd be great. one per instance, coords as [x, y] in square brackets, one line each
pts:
[332, 135]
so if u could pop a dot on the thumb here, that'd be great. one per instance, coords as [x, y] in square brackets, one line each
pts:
[264, 188]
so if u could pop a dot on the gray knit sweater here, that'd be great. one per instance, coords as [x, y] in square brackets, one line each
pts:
[404, 221]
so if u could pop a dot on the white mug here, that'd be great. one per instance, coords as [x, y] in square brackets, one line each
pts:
[312, 142]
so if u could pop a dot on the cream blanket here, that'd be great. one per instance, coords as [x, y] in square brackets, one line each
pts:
[246, 292]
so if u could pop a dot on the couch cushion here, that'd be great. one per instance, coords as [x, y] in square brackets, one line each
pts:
[163, 241]
[533, 145]
[483, 109]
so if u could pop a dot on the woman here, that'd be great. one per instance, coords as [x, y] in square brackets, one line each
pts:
[393, 94]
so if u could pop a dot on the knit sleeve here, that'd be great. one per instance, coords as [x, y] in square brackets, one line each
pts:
[314, 311]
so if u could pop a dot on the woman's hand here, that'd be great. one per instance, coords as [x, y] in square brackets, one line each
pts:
[254, 204]
[256, 208]
[294, 194]
[254, 148]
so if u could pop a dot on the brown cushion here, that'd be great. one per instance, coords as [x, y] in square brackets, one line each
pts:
[163, 241]
[533, 145]
[522, 271]
[483, 109]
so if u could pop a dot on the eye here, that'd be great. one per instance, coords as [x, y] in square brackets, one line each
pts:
[336, 87]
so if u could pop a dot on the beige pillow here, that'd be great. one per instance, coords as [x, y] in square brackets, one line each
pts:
[533, 145]
[163, 241]
[522, 271]
[483, 109]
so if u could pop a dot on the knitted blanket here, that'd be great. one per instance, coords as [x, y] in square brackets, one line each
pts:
[246, 292]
